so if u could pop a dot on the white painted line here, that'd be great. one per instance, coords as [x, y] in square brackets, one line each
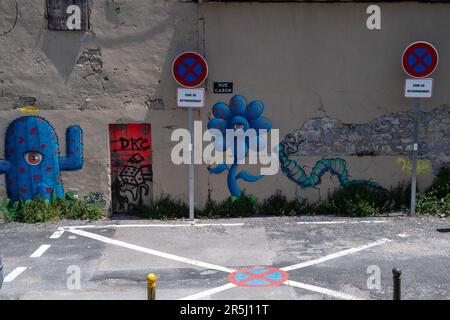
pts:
[155, 225]
[209, 292]
[341, 222]
[14, 274]
[40, 251]
[150, 251]
[57, 234]
[403, 235]
[336, 255]
[325, 291]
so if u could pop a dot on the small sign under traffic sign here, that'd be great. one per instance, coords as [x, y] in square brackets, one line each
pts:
[418, 88]
[190, 98]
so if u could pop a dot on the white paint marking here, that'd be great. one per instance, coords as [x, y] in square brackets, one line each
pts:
[341, 222]
[150, 251]
[155, 225]
[325, 291]
[57, 234]
[14, 274]
[335, 255]
[40, 251]
[209, 292]
[403, 235]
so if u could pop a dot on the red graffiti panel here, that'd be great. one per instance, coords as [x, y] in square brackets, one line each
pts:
[131, 165]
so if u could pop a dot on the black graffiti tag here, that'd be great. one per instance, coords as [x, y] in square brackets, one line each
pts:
[139, 144]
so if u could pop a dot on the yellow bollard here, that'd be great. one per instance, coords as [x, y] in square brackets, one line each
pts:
[151, 286]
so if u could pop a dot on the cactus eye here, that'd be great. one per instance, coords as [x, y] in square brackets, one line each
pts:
[33, 158]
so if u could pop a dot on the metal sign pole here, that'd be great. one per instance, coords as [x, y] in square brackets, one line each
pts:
[191, 166]
[415, 154]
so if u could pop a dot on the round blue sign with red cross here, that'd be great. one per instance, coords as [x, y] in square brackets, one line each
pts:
[420, 59]
[258, 277]
[190, 69]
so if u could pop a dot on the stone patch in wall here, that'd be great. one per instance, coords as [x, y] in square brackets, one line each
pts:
[387, 135]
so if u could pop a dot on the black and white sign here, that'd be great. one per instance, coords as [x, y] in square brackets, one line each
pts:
[190, 98]
[223, 87]
[418, 88]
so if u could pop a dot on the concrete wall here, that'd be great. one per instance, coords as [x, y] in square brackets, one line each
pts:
[309, 63]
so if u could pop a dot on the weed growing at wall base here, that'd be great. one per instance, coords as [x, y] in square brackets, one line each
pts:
[42, 210]
[354, 201]
[436, 199]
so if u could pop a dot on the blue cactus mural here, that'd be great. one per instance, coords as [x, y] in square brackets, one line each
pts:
[33, 163]
[238, 115]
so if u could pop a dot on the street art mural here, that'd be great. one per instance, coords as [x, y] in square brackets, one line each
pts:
[33, 164]
[131, 166]
[237, 115]
[387, 135]
[335, 166]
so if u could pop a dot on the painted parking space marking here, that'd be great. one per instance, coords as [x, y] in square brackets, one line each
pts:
[40, 251]
[209, 292]
[155, 225]
[336, 255]
[14, 274]
[57, 234]
[262, 277]
[341, 222]
[321, 290]
[258, 277]
[151, 251]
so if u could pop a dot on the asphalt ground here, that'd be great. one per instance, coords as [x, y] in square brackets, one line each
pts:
[290, 258]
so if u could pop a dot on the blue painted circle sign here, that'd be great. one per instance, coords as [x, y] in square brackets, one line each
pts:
[258, 277]
[190, 69]
[420, 59]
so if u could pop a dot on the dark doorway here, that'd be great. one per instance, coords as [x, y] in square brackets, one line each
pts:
[131, 166]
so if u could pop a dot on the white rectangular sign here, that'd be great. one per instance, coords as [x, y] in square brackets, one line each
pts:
[190, 98]
[418, 88]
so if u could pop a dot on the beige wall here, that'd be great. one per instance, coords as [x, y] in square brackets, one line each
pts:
[302, 60]
[315, 60]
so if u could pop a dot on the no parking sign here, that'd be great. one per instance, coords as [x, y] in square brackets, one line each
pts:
[190, 69]
[420, 59]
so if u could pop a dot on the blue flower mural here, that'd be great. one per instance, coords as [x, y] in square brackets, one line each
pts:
[238, 115]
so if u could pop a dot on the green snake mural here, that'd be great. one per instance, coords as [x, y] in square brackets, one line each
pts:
[336, 166]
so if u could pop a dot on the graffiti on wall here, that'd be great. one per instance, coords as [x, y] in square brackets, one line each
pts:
[95, 198]
[131, 166]
[423, 166]
[335, 166]
[237, 115]
[33, 164]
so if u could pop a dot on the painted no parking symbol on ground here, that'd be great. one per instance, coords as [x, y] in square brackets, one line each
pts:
[258, 277]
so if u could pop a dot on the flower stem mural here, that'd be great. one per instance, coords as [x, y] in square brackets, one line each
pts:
[33, 163]
[238, 115]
